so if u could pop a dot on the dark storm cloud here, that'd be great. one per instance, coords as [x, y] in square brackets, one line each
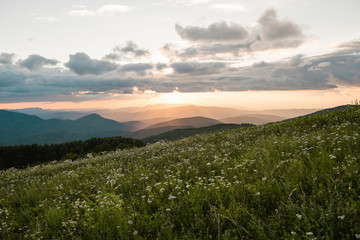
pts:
[220, 31]
[6, 58]
[82, 64]
[138, 68]
[34, 62]
[197, 68]
[129, 49]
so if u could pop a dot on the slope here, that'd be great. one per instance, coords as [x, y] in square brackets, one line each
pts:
[295, 179]
[188, 132]
[256, 119]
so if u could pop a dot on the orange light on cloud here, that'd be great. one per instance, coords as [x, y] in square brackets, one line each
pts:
[255, 100]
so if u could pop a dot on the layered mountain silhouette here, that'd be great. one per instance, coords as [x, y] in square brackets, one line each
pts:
[191, 122]
[19, 128]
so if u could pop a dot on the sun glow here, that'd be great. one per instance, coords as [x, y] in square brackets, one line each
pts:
[174, 97]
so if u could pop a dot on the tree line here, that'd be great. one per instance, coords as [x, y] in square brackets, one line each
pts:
[21, 156]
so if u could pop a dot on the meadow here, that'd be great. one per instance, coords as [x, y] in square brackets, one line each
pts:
[295, 179]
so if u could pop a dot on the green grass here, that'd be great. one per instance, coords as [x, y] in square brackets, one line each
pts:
[291, 180]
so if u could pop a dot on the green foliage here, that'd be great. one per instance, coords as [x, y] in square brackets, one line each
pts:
[188, 132]
[297, 179]
[30, 155]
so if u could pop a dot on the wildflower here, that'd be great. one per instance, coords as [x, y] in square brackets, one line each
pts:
[309, 233]
[341, 217]
[171, 197]
[298, 216]
[357, 236]
[168, 209]
[135, 233]
[130, 222]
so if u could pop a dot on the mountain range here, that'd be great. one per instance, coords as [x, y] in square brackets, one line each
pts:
[23, 127]
[19, 128]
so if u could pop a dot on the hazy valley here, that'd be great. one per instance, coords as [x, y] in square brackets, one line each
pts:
[28, 126]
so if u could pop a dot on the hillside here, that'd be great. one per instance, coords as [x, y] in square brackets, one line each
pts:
[295, 179]
[194, 122]
[188, 132]
[174, 112]
[256, 119]
[180, 123]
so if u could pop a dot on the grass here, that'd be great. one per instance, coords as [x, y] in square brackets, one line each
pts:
[291, 180]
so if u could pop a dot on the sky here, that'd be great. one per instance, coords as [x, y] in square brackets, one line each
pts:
[256, 54]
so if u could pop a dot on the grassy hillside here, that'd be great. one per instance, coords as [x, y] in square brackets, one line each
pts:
[292, 180]
[188, 132]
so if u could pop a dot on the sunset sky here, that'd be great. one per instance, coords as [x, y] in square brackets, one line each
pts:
[110, 54]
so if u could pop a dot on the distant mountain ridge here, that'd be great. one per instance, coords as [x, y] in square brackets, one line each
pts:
[19, 128]
[50, 114]
[25, 128]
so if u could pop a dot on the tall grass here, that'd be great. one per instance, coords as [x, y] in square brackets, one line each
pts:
[291, 180]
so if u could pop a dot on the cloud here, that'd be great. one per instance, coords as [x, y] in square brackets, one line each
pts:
[232, 38]
[228, 7]
[297, 60]
[161, 66]
[86, 79]
[129, 50]
[138, 68]
[197, 68]
[275, 33]
[213, 49]
[82, 64]
[10, 78]
[106, 10]
[6, 58]
[34, 62]
[220, 31]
